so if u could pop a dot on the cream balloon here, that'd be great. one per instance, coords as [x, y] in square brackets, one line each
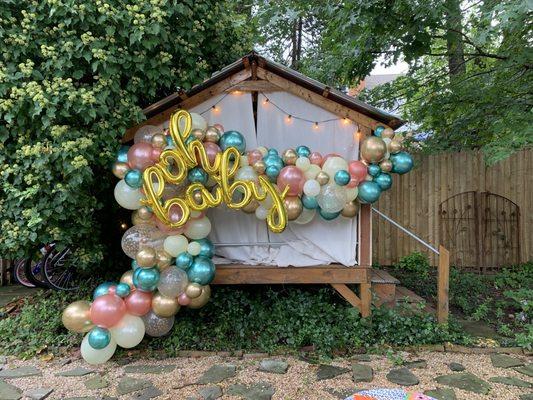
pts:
[97, 356]
[126, 196]
[312, 172]
[311, 188]
[263, 150]
[194, 248]
[306, 216]
[351, 194]
[333, 165]
[198, 122]
[175, 245]
[261, 213]
[243, 162]
[246, 173]
[303, 163]
[129, 331]
[198, 228]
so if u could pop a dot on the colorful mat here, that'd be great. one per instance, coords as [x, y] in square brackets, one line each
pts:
[388, 394]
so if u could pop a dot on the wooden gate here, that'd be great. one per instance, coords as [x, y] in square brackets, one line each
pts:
[481, 229]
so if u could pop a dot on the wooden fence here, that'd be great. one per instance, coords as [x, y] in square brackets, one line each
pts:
[415, 201]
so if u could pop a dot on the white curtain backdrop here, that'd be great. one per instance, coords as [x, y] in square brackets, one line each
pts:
[319, 242]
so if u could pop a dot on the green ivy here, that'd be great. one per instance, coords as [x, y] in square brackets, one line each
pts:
[73, 77]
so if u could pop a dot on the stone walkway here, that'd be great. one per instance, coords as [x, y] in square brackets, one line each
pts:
[14, 292]
[442, 375]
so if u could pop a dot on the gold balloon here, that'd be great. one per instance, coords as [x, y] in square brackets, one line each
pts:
[127, 277]
[201, 300]
[197, 197]
[76, 317]
[120, 169]
[350, 209]
[144, 213]
[165, 306]
[259, 167]
[386, 165]
[394, 147]
[212, 134]
[163, 259]
[387, 133]
[146, 257]
[136, 219]
[322, 178]
[294, 207]
[289, 157]
[159, 140]
[250, 207]
[193, 290]
[198, 134]
[373, 149]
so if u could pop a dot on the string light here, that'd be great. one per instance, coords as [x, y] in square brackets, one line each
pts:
[265, 101]
[316, 125]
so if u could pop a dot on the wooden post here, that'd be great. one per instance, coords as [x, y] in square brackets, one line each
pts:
[365, 255]
[443, 283]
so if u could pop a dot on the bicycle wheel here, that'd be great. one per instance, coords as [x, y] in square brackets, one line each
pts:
[34, 272]
[60, 269]
[19, 272]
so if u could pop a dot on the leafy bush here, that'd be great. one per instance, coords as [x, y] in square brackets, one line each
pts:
[73, 76]
[265, 319]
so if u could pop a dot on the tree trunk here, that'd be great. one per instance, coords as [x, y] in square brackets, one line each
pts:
[294, 49]
[454, 39]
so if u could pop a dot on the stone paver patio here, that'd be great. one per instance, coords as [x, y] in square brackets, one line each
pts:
[263, 378]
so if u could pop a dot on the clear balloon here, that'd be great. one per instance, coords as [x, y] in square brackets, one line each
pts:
[139, 236]
[145, 133]
[331, 198]
[127, 196]
[172, 282]
[306, 216]
[129, 331]
[97, 356]
[157, 326]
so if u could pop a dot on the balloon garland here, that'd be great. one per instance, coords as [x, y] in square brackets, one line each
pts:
[169, 179]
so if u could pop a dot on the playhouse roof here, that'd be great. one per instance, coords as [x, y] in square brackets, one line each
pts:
[262, 68]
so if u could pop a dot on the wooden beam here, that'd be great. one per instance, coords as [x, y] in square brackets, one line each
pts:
[348, 294]
[192, 101]
[443, 284]
[365, 235]
[318, 99]
[238, 274]
[256, 86]
[366, 299]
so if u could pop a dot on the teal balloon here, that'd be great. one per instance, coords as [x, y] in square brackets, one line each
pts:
[272, 152]
[99, 337]
[134, 178]
[134, 265]
[146, 279]
[170, 142]
[184, 260]
[273, 160]
[232, 139]
[309, 202]
[402, 162]
[303, 151]
[122, 154]
[374, 170]
[378, 131]
[197, 174]
[122, 289]
[202, 270]
[102, 289]
[384, 181]
[207, 248]
[342, 177]
[272, 172]
[328, 216]
[189, 140]
[369, 192]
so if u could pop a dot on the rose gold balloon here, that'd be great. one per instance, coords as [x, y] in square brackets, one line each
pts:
[211, 149]
[175, 213]
[350, 210]
[386, 165]
[193, 290]
[373, 149]
[259, 167]
[184, 300]
[198, 134]
[201, 300]
[146, 257]
[220, 128]
[316, 158]
[140, 156]
[254, 156]
[322, 178]
[250, 207]
[138, 302]
[156, 153]
[394, 146]
[107, 310]
[127, 277]
[357, 170]
[292, 177]
[212, 134]
[387, 133]
[120, 169]
[289, 157]
[353, 183]
[294, 207]
[165, 306]
[159, 140]
[163, 259]
[76, 317]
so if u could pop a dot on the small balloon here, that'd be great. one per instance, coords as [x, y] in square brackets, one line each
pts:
[126, 196]
[342, 177]
[129, 331]
[157, 326]
[289, 157]
[232, 139]
[374, 170]
[138, 302]
[386, 165]
[102, 289]
[207, 248]
[198, 228]
[328, 216]
[202, 270]
[357, 170]
[159, 140]
[172, 282]
[293, 206]
[350, 209]
[122, 290]
[127, 278]
[184, 300]
[77, 318]
[402, 163]
[373, 149]
[175, 245]
[379, 130]
[164, 306]
[384, 181]
[120, 169]
[303, 151]
[311, 187]
[322, 178]
[99, 338]
[201, 300]
[369, 192]
[194, 248]
[146, 279]
[306, 216]
[315, 158]
[292, 177]
[193, 290]
[184, 260]
[309, 202]
[146, 257]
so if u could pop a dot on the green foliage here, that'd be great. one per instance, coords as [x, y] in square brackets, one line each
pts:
[73, 76]
[265, 319]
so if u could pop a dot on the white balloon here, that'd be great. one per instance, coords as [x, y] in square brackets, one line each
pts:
[306, 216]
[126, 196]
[312, 172]
[129, 331]
[198, 122]
[194, 248]
[261, 213]
[244, 161]
[246, 173]
[198, 228]
[303, 163]
[311, 188]
[97, 356]
[334, 164]
[175, 245]
[263, 150]
[351, 194]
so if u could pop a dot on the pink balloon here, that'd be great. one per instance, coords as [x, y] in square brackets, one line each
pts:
[220, 128]
[140, 156]
[357, 170]
[353, 183]
[174, 213]
[167, 230]
[138, 302]
[254, 156]
[212, 149]
[112, 290]
[293, 177]
[107, 310]
[184, 300]
[329, 156]
[316, 158]
[156, 153]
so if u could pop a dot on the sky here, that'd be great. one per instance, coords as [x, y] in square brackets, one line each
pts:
[399, 68]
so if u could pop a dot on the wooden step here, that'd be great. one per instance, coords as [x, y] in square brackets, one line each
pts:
[404, 295]
[384, 286]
